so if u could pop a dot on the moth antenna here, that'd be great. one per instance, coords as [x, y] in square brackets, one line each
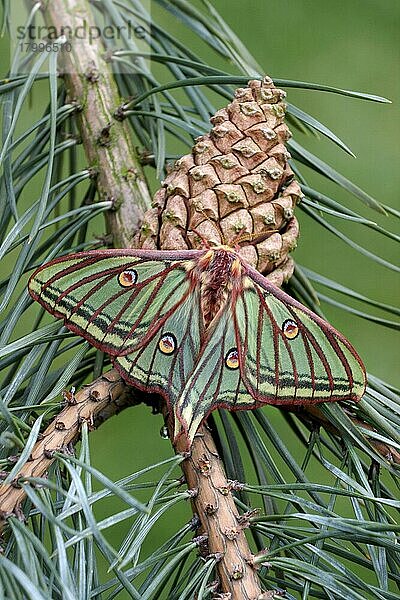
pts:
[241, 237]
[246, 237]
[205, 242]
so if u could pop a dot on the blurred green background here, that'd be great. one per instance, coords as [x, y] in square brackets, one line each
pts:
[351, 44]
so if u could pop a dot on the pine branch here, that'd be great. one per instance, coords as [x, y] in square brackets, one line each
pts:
[93, 405]
[106, 140]
[220, 521]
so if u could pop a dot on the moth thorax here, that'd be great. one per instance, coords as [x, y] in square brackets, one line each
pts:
[212, 300]
[219, 272]
[217, 282]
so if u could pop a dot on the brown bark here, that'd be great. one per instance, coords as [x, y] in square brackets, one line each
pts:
[219, 518]
[106, 140]
[93, 404]
[212, 499]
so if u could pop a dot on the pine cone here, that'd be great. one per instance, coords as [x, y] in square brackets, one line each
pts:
[235, 188]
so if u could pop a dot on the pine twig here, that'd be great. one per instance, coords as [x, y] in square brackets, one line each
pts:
[95, 403]
[314, 413]
[220, 521]
[212, 499]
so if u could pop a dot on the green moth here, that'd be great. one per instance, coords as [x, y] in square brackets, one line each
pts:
[200, 327]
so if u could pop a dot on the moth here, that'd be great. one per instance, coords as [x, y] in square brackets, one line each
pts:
[200, 327]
